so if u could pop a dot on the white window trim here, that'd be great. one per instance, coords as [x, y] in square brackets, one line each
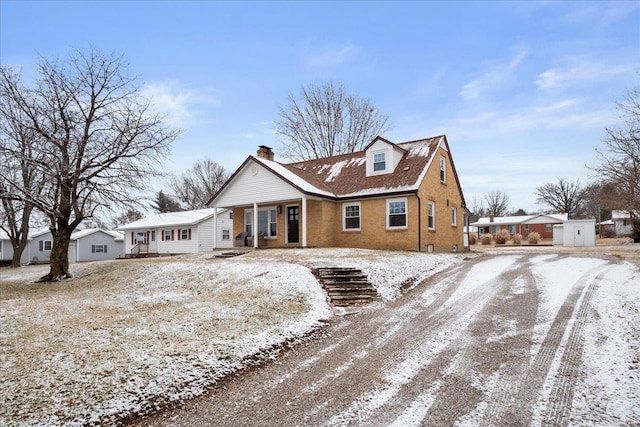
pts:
[432, 205]
[248, 213]
[443, 169]
[344, 216]
[226, 236]
[454, 217]
[386, 162]
[406, 214]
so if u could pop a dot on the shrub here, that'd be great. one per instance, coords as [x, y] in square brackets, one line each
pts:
[486, 238]
[502, 236]
[517, 238]
[533, 237]
[473, 238]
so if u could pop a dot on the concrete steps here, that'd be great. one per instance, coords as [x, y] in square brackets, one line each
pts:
[346, 286]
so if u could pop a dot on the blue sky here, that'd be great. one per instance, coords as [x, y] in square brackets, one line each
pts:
[523, 90]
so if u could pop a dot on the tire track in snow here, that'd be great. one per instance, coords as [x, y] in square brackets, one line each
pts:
[559, 409]
[531, 384]
[404, 381]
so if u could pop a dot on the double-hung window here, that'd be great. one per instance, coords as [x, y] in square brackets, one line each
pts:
[397, 213]
[351, 215]
[431, 215]
[267, 221]
[98, 249]
[45, 245]
[166, 234]
[380, 161]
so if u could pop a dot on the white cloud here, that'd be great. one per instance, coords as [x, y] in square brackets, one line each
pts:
[580, 71]
[498, 74]
[331, 56]
[182, 106]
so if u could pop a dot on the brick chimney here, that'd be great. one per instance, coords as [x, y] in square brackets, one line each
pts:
[265, 152]
[491, 218]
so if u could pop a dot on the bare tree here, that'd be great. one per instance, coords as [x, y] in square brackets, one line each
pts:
[619, 163]
[17, 174]
[130, 215]
[323, 120]
[565, 196]
[497, 203]
[197, 186]
[97, 142]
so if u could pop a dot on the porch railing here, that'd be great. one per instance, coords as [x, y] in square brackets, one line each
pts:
[140, 248]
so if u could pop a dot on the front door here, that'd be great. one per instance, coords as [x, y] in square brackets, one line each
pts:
[293, 219]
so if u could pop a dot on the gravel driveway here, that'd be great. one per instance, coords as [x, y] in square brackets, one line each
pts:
[469, 346]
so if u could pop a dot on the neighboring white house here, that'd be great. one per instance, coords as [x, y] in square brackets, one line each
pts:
[94, 244]
[622, 223]
[85, 245]
[6, 249]
[577, 232]
[179, 232]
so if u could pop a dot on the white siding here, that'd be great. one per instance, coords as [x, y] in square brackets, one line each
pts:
[6, 252]
[35, 254]
[256, 184]
[225, 222]
[84, 247]
[205, 235]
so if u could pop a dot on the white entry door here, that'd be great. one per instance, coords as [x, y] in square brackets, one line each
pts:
[578, 236]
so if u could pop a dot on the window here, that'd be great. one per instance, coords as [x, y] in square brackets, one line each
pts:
[454, 216]
[98, 249]
[511, 229]
[45, 245]
[267, 221]
[230, 215]
[166, 235]
[526, 227]
[379, 161]
[397, 213]
[351, 214]
[153, 235]
[443, 169]
[248, 222]
[185, 234]
[548, 228]
[226, 234]
[494, 229]
[431, 216]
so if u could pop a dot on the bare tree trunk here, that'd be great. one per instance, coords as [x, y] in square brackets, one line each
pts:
[17, 252]
[59, 257]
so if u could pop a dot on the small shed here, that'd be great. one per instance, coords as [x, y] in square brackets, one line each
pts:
[576, 232]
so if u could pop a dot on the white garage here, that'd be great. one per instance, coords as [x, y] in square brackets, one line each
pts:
[575, 232]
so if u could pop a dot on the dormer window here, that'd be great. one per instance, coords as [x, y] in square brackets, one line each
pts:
[380, 161]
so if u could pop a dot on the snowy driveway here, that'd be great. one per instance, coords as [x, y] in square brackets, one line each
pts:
[513, 339]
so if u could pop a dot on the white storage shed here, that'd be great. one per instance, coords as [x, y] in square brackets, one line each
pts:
[575, 232]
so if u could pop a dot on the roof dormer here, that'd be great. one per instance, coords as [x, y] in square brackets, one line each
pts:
[382, 156]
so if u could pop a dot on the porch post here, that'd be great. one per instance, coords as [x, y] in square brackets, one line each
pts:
[215, 228]
[304, 221]
[254, 229]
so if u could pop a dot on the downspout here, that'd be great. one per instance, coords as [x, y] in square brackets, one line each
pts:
[419, 223]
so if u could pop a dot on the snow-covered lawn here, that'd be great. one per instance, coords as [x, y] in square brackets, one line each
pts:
[126, 337]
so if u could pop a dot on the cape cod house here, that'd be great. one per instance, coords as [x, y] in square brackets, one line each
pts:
[181, 232]
[403, 196]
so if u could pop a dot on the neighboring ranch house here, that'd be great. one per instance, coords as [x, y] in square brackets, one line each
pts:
[94, 244]
[6, 250]
[522, 224]
[85, 245]
[181, 232]
[404, 196]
